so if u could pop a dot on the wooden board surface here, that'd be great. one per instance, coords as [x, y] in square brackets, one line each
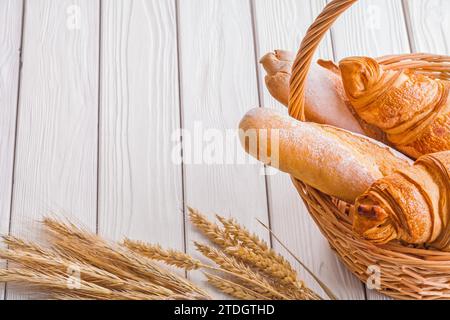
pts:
[140, 188]
[282, 25]
[56, 162]
[371, 27]
[429, 24]
[10, 41]
[105, 86]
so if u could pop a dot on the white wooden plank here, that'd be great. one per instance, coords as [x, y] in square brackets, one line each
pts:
[140, 190]
[282, 24]
[10, 40]
[372, 28]
[218, 86]
[429, 21]
[56, 157]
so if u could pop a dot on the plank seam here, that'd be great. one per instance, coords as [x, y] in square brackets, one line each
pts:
[257, 53]
[408, 26]
[181, 125]
[99, 104]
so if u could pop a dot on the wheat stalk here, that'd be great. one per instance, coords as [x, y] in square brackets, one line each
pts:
[253, 242]
[261, 259]
[265, 265]
[325, 288]
[171, 257]
[233, 289]
[210, 230]
[242, 272]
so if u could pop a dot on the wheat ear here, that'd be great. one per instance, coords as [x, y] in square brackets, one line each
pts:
[253, 242]
[170, 257]
[235, 268]
[210, 230]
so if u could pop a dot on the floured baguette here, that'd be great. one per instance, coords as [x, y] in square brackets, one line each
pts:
[325, 98]
[334, 161]
[412, 205]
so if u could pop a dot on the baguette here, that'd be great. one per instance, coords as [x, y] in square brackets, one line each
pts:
[412, 205]
[332, 160]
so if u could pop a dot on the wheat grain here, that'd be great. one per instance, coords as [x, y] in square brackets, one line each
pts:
[243, 235]
[245, 274]
[210, 230]
[233, 289]
[254, 243]
[265, 265]
[326, 289]
[171, 257]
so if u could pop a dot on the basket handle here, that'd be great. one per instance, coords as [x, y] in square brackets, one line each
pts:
[306, 53]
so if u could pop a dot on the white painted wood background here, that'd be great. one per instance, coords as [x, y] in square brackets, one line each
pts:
[92, 91]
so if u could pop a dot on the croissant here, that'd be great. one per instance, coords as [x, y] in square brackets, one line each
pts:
[412, 109]
[411, 205]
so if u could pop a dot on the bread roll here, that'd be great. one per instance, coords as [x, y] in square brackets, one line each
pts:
[412, 109]
[412, 205]
[325, 98]
[334, 161]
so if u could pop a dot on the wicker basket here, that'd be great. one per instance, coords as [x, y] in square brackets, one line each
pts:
[406, 272]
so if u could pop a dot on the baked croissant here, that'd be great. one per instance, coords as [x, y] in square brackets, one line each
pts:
[411, 205]
[412, 109]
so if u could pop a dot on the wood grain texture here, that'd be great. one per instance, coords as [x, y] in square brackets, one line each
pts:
[218, 86]
[140, 188]
[429, 22]
[10, 41]
[56, 162]
[372, 28]
[282, 25]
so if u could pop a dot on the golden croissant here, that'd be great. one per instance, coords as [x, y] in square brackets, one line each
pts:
[412, 109]
[411, 205]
